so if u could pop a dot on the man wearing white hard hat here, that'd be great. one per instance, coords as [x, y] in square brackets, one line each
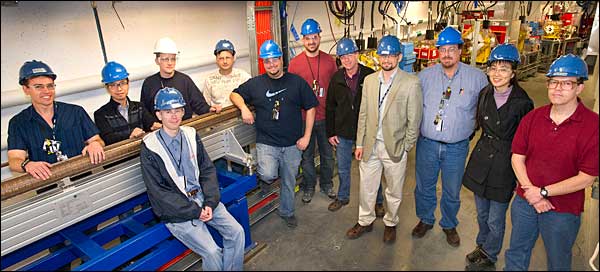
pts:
[166, 54]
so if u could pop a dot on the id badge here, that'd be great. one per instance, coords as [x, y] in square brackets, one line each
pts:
[275, 112]
[438, 125]
[320, 92]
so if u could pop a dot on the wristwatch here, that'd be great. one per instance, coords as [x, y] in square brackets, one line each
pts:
[25, 162]
[544, 192]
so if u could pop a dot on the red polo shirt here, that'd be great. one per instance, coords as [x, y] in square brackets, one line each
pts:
[557, 152]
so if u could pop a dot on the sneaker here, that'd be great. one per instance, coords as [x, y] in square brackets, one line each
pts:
[329, 192]
[307, 196]
[482, 264]
[337, 204]
[379, 210]
[291, 221]
[475, 255]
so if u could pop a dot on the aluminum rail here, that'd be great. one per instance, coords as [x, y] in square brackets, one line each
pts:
[115, 152]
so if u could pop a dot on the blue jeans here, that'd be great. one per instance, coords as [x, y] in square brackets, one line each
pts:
[558, 230]
[433, 156]
[344, 157]
[273, 162]
[491, 217]
[309, 172]
[195, 235]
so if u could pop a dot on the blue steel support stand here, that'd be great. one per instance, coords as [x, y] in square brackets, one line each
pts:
[149, 244]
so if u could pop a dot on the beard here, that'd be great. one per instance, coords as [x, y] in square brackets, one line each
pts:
[313, 50]
[391, 67]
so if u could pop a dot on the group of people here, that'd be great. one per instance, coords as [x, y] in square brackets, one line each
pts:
[548, 155]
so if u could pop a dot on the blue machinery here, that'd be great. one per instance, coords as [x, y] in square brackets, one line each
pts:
[68, 222]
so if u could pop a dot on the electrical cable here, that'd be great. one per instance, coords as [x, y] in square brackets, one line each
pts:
[331, 29]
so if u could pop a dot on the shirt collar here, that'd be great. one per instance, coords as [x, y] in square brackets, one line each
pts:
[577, 116]
[441, 69]
[167, 138]
[391, 78]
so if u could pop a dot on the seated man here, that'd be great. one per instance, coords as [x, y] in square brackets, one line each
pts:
[121, 118]
[48, 131]
[182, 186]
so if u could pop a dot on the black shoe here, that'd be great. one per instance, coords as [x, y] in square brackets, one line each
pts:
[482, 264]
[307, 196]
[291, 221]
[475, 255]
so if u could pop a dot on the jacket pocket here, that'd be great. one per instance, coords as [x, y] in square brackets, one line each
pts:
[481, 162]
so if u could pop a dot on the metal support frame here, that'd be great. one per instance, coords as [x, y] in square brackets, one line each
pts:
[33, 219]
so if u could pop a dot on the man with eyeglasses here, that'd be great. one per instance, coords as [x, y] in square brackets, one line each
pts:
[166, 57]
[183, 190]
[555, 157]
[121, 118]
[278, 99]
[388, 126]
[316, 68]
[220, 83]
[450, 92]
[48, 131]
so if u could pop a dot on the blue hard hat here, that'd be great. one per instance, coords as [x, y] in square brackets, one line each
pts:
[506, 52]
[224, 45]
[310, 26]
[568, 66]
[346, 46]
[34, 68]
[449, 36]
[113, 71]
[168, 98]
[388, 45]
[269, 49]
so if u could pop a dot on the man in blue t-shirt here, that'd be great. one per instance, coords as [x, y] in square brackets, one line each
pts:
[48, 131]
[278, 99]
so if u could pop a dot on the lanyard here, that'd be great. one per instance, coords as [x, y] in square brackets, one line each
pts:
[384, 95]
[315, 81]
[171, 154]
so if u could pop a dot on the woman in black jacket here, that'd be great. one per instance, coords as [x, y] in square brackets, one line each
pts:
[489, 174]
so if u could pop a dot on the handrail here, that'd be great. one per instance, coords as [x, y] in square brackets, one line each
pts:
[114, 152]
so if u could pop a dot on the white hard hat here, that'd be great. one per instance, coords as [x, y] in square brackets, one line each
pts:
[165, 45]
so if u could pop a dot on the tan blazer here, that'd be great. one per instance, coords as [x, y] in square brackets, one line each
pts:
[401, 116]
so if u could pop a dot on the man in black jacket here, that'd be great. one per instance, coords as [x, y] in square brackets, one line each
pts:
[343, 104]
[182, 187]
[121, 118]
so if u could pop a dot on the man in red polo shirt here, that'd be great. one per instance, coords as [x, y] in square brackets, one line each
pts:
[555, 157]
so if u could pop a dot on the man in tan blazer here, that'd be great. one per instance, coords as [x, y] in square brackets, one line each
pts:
[388, 127]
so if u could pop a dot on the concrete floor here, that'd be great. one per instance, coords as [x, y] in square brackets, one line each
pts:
[319, 242]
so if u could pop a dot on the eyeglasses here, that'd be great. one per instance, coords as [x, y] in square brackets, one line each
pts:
[447, 50]
[116, 85]
[388, 56]
[40, 87]
[271, 61]
[167, 59]
[502, 71]
[565, 85]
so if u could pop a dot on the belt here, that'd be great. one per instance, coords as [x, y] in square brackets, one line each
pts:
[435, 140]
[192, 193]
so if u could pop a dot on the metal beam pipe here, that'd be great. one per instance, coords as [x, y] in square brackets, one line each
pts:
[115, 152]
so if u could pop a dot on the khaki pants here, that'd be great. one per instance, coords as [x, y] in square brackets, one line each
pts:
[370, 176]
